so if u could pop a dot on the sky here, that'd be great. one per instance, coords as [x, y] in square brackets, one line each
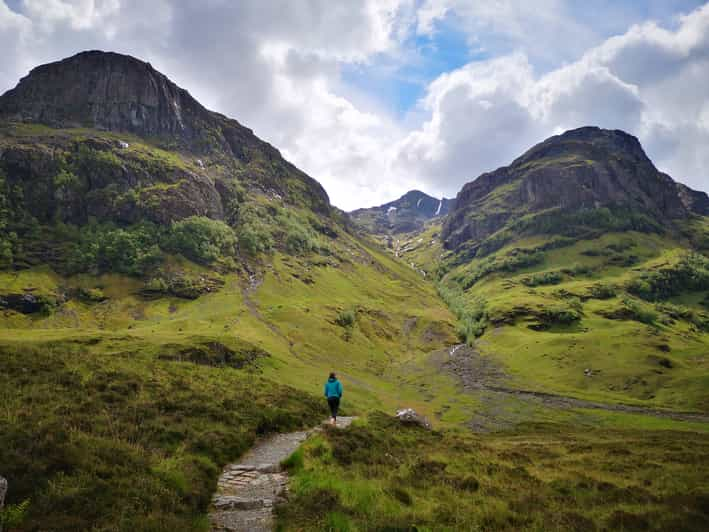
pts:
[377, 97]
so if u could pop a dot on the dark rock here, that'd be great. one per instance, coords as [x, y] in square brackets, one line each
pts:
[694, 200]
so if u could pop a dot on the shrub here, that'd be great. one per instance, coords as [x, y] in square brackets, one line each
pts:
[580, 222]
[346, 318]
[13, 515]
[202, 239]
[689, 274]
[559, 315]
[6, 238]
[543, 279]
[254, 238]
[639, 312]
[104, 248]
[602, 291]
[516, 259]
[471, 312]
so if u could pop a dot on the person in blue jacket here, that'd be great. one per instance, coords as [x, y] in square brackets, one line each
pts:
[333, 394]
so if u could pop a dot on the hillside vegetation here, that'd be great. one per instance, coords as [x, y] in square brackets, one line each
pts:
[172, 289]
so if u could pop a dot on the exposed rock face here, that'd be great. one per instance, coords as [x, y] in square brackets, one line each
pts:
[105, 91]
[585, 168]
[111, 92]
[695, 201]
[404, 215]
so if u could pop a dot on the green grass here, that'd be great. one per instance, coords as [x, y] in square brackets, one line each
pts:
[382, 475]
[621, 338]
[119, 397]
[124, 440]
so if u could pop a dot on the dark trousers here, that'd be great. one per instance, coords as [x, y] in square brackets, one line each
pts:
[334, 403]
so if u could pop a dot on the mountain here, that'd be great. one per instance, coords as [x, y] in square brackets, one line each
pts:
[407, 214]
[580, 269]
[109, 92]
[563, 178]
[173, 291]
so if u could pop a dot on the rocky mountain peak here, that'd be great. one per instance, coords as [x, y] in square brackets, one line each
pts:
[580, 170]
[105, 90]
[403, 215]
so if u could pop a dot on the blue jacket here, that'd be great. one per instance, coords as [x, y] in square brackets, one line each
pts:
[333, 388]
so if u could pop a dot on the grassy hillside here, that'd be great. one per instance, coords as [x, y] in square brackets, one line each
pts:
[618, 317]
[142, 397]
[142, 352]
[385, 476]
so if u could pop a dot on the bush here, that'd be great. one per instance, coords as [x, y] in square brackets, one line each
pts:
[346, 318]
[691, 273]
[105, 248]
[580, 222]
[13, 515]
[471, 312]
[254, 239]
[602, 291]
[202, 239]
[543, 279]
[299, 237]
[639, 312]
[6, 239]
[559, 315]
[516, 259]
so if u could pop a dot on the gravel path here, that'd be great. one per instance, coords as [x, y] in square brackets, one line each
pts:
[248, 490]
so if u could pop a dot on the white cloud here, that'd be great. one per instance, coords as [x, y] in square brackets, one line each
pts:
[277, 65]
[649, 81]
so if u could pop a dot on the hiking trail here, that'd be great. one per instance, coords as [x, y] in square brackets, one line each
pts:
[248, 490]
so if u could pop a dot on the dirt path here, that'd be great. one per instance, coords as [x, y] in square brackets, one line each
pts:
[248, 490]
[481, 374]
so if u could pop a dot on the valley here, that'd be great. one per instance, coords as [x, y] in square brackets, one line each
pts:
[173, 291]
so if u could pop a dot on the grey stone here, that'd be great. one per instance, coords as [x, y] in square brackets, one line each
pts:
[408, 416]
[3, 492]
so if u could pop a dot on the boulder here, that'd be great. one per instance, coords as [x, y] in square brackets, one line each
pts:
[408, 416]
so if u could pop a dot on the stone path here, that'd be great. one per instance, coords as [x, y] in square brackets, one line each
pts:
[248, 490]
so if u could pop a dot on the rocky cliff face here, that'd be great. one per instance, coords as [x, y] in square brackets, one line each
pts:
[189, 160]
[404, 215]
[579, 171]
[106, 91]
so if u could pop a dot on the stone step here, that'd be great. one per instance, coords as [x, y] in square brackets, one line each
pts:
[226, 502]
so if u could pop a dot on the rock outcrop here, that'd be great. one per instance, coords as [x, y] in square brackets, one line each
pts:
[582, 169]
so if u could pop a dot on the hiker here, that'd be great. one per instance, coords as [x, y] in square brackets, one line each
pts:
[333, 394]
